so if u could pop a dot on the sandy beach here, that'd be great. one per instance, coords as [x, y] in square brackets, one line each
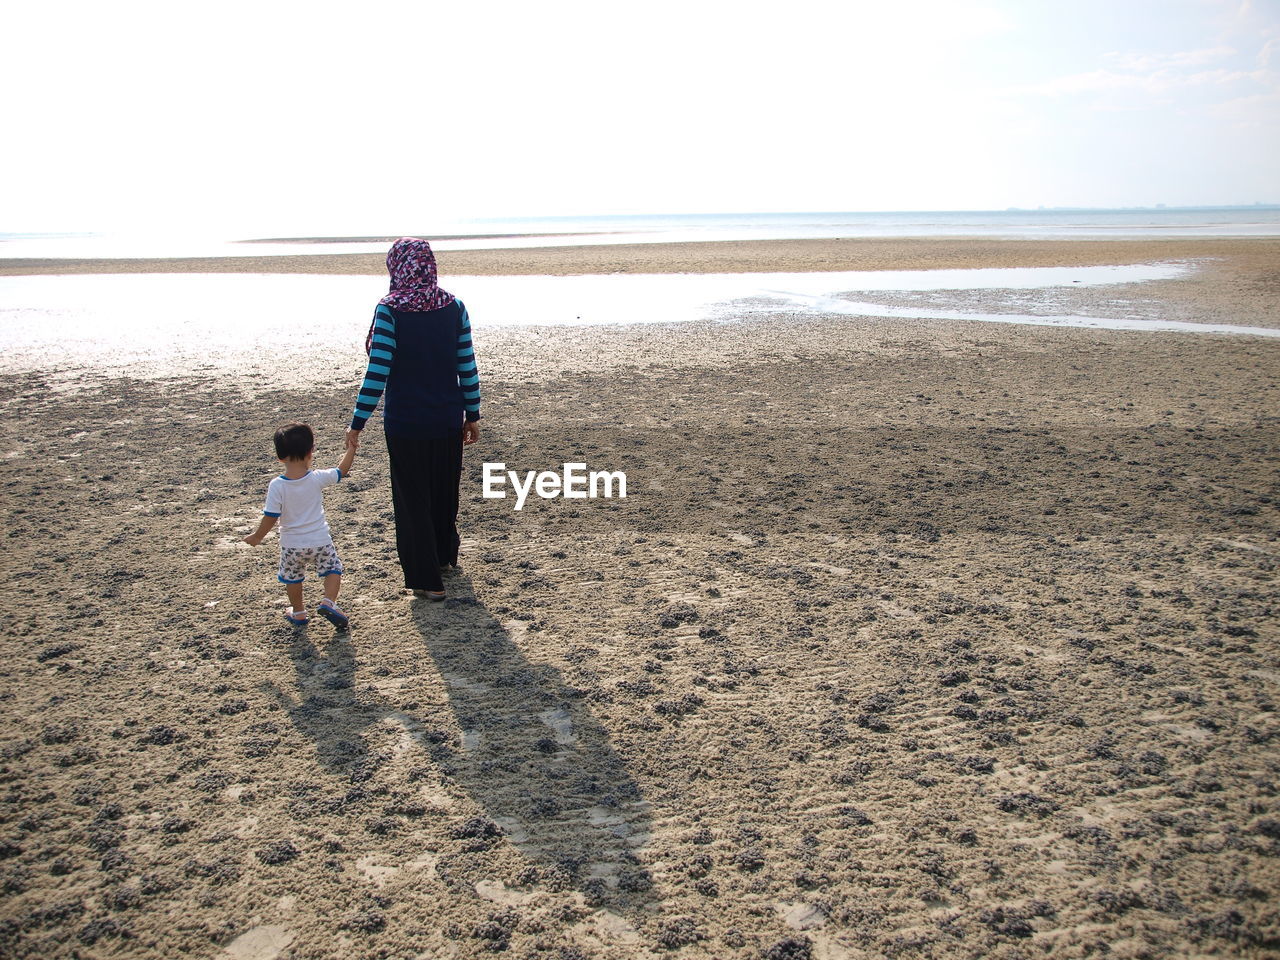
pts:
[911, 639]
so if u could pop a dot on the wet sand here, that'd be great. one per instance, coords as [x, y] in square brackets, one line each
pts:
[911, 639]
[1257, 256]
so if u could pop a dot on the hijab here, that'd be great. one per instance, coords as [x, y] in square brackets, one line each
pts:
[412, 267]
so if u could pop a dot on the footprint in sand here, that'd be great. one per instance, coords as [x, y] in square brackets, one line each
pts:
[498, 892]
[802, 916]
[561, 724]
[260, 943]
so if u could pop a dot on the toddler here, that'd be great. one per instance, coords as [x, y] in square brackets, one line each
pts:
[295, 498]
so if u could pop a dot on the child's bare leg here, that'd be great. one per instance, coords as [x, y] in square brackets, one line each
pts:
[294, 593]
[332, 584]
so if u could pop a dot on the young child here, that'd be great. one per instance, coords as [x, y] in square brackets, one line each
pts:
[295, 498]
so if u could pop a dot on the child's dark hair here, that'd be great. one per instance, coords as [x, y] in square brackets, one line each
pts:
[294, 441]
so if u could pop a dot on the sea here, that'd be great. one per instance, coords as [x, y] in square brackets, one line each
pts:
[162, 325]
[1259, 220]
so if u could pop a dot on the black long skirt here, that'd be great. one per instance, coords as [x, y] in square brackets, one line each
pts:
[424, 493]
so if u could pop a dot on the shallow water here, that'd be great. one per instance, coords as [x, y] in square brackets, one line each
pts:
[830, 305]
[170, 324]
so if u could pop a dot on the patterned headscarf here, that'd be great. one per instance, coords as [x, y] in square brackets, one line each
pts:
[412, 267]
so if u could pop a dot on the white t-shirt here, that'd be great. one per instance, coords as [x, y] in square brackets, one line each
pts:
[300, 506]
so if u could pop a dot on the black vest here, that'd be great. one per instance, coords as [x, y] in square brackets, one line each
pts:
[423, 398]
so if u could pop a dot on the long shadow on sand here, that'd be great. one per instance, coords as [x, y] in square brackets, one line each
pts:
[533, 757]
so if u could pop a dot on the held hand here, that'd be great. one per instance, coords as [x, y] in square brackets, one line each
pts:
[353, 439]
[470, 432]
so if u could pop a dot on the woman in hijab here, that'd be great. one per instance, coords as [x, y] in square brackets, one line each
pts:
[421, 361]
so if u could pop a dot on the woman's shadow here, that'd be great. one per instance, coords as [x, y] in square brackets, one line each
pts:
[531, 755]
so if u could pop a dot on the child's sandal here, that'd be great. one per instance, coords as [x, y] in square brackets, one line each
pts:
[298, 620]
[330, 611]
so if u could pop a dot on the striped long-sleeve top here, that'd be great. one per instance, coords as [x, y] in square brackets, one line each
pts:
[423, 366]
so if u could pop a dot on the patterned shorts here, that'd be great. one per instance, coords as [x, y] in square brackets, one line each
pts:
[294, 562]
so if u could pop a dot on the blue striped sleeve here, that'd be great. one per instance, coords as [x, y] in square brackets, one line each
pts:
[468, 373]
[382, 354]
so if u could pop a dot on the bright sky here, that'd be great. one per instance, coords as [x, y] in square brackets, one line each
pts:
[274, 115]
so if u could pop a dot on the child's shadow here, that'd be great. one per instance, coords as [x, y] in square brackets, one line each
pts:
[533, 757]
[327, 712]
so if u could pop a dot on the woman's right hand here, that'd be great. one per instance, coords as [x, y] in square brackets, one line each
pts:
[470, 432]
